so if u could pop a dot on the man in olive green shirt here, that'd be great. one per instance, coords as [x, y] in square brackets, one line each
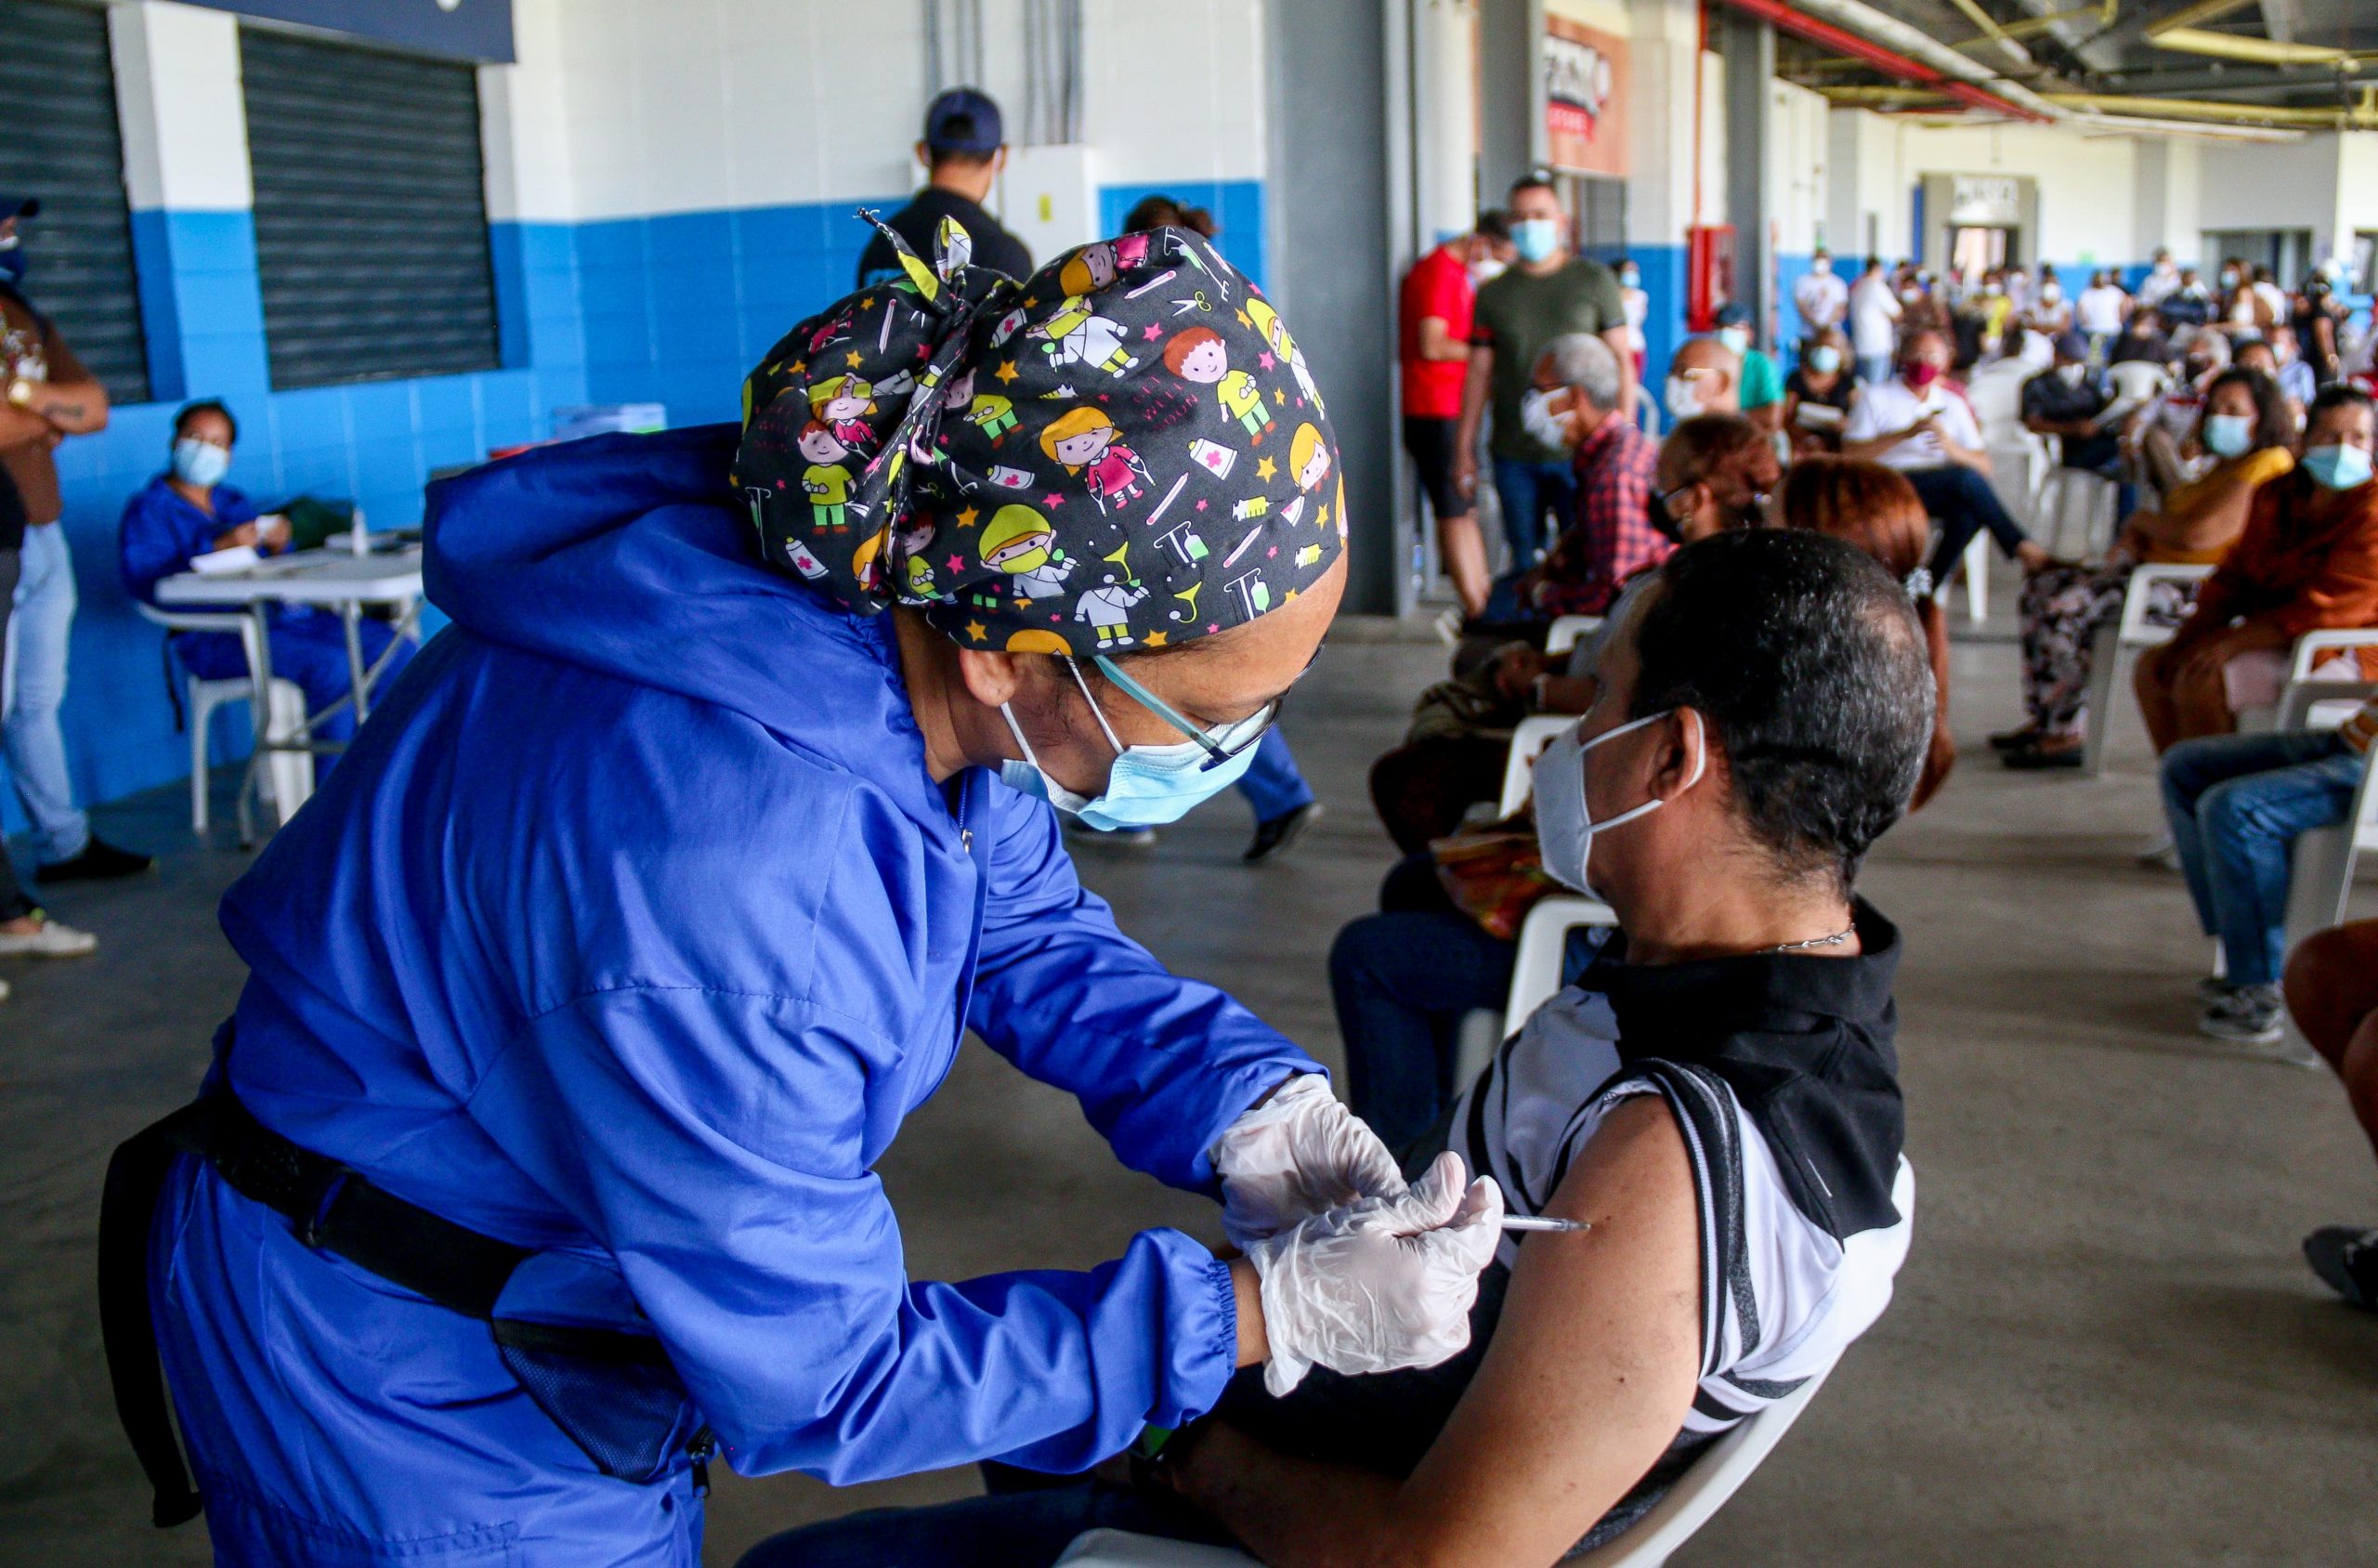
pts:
[1549, 291]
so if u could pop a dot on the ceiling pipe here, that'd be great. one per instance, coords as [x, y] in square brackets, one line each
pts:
[1993, 34]
[1888, 45]
[2258, 51]
[2361, 117]
[2193, 16]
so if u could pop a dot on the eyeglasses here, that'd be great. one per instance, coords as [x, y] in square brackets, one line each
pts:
[1221, 743]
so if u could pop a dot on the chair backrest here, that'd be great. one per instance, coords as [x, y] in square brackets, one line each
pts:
[1997, 394]
[2137, 380]
[1702, 1490]
[2138, 598]
[1534, 734]
[1568, 630]
[1544, 942]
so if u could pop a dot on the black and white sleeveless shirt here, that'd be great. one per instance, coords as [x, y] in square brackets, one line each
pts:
[1779, 1070]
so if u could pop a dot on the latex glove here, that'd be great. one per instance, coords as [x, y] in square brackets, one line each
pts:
[1298, 1154]
[1381, 1284]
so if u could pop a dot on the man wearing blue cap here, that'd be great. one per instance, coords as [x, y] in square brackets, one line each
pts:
[963, 150]
[2068, 400]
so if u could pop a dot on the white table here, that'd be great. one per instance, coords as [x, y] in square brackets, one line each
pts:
[337, 579]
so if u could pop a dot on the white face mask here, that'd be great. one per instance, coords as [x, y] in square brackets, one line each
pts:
[1822, 266]
[1824, 358]
[2070, 375]
[1684, 398]
[1735, 338]
[2051, 291]
[1564, 825]
[1541, 422]
[1486, 270]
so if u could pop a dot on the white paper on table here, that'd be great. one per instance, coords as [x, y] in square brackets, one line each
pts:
[217, 563]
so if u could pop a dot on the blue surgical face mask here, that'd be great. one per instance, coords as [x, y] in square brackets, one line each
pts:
[2337, 468]
[1537, 238]
[1628, 278]
[2229, 435]
[1146, 785]
[200, 463]
[1824, 358]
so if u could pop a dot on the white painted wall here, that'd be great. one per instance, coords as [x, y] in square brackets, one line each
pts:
[1798, 157]
[2283, 185]
[1662, 43]
[623, 108]
[184, 125]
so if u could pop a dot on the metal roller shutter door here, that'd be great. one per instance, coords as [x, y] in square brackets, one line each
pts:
[370, 211]
[63, 145]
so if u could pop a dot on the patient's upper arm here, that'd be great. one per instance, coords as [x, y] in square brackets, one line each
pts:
[1593, 1364]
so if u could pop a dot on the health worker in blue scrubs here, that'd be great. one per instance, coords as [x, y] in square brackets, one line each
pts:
[535, 1170]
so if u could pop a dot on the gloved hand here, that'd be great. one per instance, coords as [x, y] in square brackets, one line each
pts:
[1298, 1154]
[1379, 1284]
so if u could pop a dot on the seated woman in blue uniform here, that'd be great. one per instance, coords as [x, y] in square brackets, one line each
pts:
[536, 1169]
[189, 511]
[1716, 1096]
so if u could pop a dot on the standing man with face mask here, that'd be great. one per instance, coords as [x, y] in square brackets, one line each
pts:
[48, 397]
[1873, 323]
[1435, 324]
[1760, 393]
[1550, 291]
[964, 150]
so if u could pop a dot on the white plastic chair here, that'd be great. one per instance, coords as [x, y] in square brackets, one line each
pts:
[1568, 630]
[2129, 632]
[2302, 692]
[289, 775]
[1976, 571]
[1543, 939]
[1534, 734]
[2053, 508]
[1690, 1503]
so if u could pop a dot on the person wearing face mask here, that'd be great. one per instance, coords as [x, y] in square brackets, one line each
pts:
[1433, 315]
[189, 511]
[1704, 376]
[1547, 291]
[2244, 431]
[2155, 433]
[2050, 313]
[1820, 297]
[2068, 400]
[588, 993]
[1819, 393]
[2162, 278]
[2296, 377]
[1760, 389]
[1917, 425]
[1575, 405]
[2098, 312]
[2306, 561]
[46, 396]
[1874, 312]
[1639, 310]
[1717, 1093]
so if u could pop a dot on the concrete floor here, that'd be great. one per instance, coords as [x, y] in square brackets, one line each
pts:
[2105, 1346]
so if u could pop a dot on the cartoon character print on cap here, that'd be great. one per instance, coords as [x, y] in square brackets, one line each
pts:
[1086, 441]
[1284, 348]
[1198, 354]
[1115, 453]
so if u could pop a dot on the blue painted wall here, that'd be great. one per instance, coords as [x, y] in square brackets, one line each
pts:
[1238, 206]
[671, 309]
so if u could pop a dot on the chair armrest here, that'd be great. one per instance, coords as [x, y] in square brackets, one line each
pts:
[2136, 599]
[2296, 704]
[176, 621]
[2312, 644]
[1568, 630]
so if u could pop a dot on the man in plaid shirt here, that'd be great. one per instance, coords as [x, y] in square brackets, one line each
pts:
[1577, 391]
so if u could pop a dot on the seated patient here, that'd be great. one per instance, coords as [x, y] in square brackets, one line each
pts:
[189, 511]
[1716, 1096]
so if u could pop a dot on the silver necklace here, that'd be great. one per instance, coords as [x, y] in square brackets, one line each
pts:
[1835, 940]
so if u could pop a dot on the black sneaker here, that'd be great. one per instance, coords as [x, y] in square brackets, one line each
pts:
[99, 862]
[2037, 756]
[1276, 836]
[2014, 740]
[2247, 1015]
[2346, 1257]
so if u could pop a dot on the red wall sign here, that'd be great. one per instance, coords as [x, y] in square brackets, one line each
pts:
[1584, 98]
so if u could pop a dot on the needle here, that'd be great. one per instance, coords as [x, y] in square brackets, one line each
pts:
[1542, 1223]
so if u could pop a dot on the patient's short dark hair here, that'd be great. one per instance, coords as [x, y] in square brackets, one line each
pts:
[1806, 659]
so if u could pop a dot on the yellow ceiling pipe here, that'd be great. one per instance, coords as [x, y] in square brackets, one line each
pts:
[1992, 31]
[2191, 16]
[2259, 51]
[2363, 117]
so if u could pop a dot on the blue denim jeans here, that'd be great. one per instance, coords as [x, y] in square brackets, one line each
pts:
[36, 689]
[2236, 803]
[1528, 492]
[1273, 783]
[1963, 503]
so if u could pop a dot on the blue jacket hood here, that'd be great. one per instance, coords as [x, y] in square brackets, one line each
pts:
[631, 556]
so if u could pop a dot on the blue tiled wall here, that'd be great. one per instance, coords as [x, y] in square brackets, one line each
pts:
[670, 309]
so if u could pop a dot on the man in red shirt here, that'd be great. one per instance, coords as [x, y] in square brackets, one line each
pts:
[1434, 316]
